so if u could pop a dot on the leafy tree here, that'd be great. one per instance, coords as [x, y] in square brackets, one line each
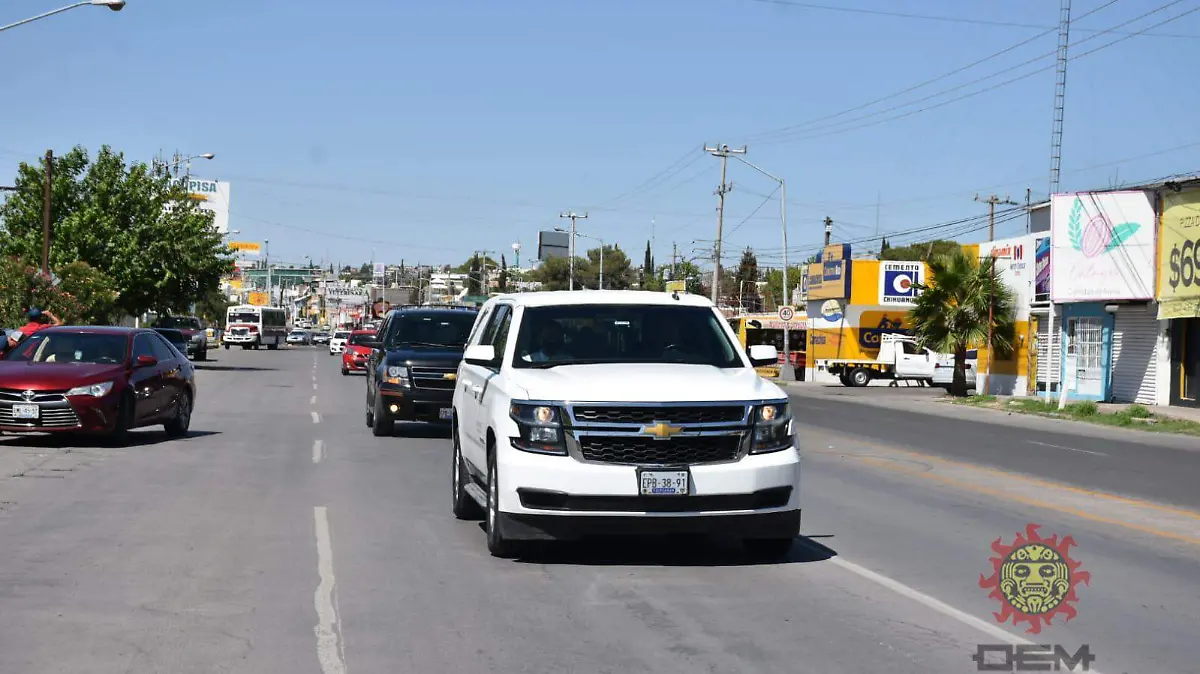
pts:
[135, 227]
[503, 274]
[921, 251]
[648, 262]
[554, 274]
[618, 272]
[474, 269]
[951, 312]
[883, 246]
[79, 295]
[773, 293]
[212, 307]
[486, 262]
[746, 280]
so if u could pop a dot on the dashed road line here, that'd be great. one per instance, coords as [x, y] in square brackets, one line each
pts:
[312, 400]
[316, 418]
[328, 630]
[1081, 451]
[318, 451]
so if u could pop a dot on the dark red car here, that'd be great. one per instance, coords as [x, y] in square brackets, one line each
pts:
[96, 380]
[354, 358]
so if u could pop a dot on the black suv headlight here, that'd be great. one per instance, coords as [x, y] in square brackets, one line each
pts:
[540, 427]
[397, 375]
[772, 428]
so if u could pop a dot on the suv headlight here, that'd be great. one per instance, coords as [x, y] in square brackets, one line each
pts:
[397, 375]
[540, 427]
[772, 428]
[95, 390]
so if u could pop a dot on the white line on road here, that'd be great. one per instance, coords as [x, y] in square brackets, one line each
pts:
[314, 385]
[328, 629]
[1082, 451]
[316, 418]
[312, 400]
[318, 451]
[935, 604]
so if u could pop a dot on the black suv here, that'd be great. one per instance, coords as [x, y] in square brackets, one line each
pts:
[413, 366]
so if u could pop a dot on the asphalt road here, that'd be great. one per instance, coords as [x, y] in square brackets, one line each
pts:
[283, 537]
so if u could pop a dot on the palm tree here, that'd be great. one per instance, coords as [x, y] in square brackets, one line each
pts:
[951, 312]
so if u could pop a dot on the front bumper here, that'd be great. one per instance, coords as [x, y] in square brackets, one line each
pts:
[561, 496]
[81, 414]
[416, 404]
[241, 339]
[336, 348]
[354, 364]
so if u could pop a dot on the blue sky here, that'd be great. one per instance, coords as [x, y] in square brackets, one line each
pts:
[426, 130]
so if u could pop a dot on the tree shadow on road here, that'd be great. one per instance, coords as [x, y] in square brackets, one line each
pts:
[137, 438]
[667, 551]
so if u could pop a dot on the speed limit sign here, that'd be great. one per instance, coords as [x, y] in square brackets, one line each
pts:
[786, 313]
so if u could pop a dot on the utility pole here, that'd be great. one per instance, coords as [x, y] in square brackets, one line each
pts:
[573, 216]
[723, 152]
[46, 211]
[991, 202]
[828, 229]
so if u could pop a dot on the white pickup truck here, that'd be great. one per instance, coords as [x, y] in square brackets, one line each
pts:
[900, 357]
[618, 412]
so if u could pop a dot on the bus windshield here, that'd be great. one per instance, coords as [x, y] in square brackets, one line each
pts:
[243, 317]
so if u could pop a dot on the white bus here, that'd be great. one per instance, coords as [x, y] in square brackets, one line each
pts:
[250, 327]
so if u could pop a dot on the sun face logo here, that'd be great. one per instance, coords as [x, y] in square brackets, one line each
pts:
[1034, 579]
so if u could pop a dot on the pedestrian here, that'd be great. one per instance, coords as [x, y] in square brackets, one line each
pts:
[39, 320]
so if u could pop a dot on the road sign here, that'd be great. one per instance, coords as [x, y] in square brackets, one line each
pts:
[786, 313]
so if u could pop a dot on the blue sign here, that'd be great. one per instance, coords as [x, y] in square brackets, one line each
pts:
[898, 281]
[871, 337]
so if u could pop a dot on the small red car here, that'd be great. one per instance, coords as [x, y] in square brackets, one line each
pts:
[96, 380]
[354, 358]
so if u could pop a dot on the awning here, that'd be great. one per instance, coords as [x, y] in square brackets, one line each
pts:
[1179, 308]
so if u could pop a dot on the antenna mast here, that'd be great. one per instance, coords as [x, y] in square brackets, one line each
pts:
[1060, 93]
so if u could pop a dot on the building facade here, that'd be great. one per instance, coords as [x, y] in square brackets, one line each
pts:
[1179, 291]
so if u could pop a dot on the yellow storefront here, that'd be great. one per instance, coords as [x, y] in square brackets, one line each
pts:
[1179, 291]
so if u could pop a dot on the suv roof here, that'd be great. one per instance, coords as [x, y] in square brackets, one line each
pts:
[577, 297]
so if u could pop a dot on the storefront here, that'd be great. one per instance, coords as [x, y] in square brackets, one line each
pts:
[1016, 264]
[1102, 278]
[1179, 292]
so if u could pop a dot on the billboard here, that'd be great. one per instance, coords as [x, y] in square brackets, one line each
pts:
[829, 279]
[380, 270]
[258, 299]
[245, 248]
[553, 244]
[1102, 246]
[1041, 283]
[1179, 258]
[898, 281]
[211, 196]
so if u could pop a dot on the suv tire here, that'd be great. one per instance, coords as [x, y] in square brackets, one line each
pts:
[497, 544]
[465, 507]
[382, 425]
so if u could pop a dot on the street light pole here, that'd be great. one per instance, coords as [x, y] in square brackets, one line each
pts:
[572, 215]
[114, 5]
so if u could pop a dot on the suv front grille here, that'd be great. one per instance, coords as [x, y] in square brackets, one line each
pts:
[432, 377]
[699, 414]
[682, 450]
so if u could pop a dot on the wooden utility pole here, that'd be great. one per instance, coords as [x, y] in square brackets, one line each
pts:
[991, 202]
[46, 212]
[724, 188]
[828, 229]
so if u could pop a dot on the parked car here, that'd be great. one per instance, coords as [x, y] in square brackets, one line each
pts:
[943, 371]
[192, 328]
[413, 366]
[354, 358]
[176, 338]
[300, 337]
[96, 380]
[337, 343]
[620, 412]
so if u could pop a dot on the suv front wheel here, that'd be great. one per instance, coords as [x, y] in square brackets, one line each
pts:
[465, 507]
[497, 544]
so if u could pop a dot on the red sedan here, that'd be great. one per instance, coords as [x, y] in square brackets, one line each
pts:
[354, 358]
[96, 380]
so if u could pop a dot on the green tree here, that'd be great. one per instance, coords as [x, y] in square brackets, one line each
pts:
[79, 294]
[951, 312]
[133, 226]
[485, 261]
[746, 279]
[503, 281]
[618, 272]
[474, 270]
[554, 274]
[921, 251]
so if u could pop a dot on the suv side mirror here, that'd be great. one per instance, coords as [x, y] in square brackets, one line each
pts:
[763, 354]
[145, 361]
[480, 354]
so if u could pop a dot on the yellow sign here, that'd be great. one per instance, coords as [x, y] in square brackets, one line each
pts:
[1179, 256]
[258, 299]
[829, 279]
[246, 247]
[662, 430]
[676, 286]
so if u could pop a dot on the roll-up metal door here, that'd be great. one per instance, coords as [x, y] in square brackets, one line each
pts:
[1134, 355]
[1048, 355]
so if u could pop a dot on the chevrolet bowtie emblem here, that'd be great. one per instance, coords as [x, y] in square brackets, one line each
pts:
[450, 375]
[661, 430]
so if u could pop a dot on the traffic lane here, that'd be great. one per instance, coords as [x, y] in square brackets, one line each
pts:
[1142, 604]
[188, 555]
[416, 587]
[1119, 464]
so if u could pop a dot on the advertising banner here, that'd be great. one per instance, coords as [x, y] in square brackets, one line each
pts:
[1102, 246]
[212, 196]
[875, 324]
[829, 279]
[258, 299]
[898, 281]
[245, 248]
[1179, 256]
[1041, 285]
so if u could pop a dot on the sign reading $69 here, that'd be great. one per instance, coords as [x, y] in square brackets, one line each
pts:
[1179, 257]
[1182, 263]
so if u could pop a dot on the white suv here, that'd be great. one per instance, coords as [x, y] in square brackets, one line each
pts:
[337, 343]
[620, 412]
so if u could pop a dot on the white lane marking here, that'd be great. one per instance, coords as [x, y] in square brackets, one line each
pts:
[316, 418]
[1082, 451]
[314, 385]
[942, 607]
[318, 451]
[328, 628]
[312, 400]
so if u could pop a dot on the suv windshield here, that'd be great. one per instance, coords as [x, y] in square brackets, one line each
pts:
[71, 348]
[579, 334]
[180, 322]
[448, 329]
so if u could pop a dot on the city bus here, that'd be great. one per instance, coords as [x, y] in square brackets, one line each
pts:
[250, 327]
[755, 329]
